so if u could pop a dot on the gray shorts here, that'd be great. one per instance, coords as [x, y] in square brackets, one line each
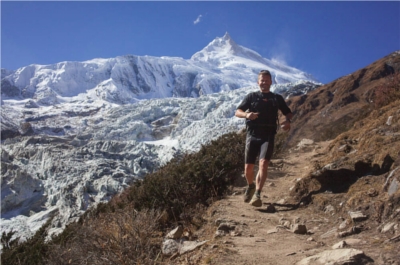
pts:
[259, 146]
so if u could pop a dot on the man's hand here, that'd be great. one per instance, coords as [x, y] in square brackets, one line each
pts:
[252, 115]
[285, 126]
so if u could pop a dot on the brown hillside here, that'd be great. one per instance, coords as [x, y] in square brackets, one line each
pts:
[334, 108]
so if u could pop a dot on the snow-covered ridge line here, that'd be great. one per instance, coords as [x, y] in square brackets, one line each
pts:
[220, 66]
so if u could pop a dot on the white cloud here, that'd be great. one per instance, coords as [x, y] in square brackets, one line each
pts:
[281, 52]
[197, 20]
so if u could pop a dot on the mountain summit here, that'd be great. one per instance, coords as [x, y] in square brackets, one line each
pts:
[224, 48]
[222, 65]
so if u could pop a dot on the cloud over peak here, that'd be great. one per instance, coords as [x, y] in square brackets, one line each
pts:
[198, 19]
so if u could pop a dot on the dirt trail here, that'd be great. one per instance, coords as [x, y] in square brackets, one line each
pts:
[257, 236]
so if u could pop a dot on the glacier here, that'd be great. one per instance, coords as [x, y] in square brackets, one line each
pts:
[76, 133]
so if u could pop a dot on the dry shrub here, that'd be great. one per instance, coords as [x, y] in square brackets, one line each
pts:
[129, 229]
[194, 179]
[124, 237]
[31, 252]
[389, 91]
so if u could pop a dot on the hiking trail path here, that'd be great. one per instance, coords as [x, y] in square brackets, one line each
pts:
[262, 237]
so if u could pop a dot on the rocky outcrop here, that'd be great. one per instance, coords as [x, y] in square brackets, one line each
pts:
[337, 257]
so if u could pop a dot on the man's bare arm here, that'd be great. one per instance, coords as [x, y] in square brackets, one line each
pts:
[248, 115]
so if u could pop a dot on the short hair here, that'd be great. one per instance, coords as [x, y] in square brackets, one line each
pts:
[264, 72]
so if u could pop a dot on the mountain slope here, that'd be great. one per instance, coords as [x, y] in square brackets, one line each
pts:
[335, 107]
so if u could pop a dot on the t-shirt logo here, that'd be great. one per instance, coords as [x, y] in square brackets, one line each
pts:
[265, 99]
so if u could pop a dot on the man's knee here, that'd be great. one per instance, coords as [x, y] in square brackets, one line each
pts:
[264, 163]
[249, 166]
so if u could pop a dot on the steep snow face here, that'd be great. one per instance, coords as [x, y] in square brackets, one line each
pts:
[222, 65]
[224, 54]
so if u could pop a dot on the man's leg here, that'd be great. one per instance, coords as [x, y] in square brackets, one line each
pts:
[262, 174]
[250, 158]
[265, 155]
[250, 190]
[248, 172]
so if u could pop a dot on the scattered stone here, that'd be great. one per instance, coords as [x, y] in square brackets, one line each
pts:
[353, 230]
[296, 220]
[272, 231]
[219, 221]
[299, 229]
[235, 233]
[261, 240]
[395, 238]
[270, 209]
[310, 239]
[357, 216]
[389, 120]
[343, 224]
[330, 233]
[291, 254]
[219, 233]
[226, 227]
[188, 246]
[329, 209]
[345, 148]
[337, 257]
[394, 186]
[286, 224]
[282, 220]
[170, 247]
[388, 227]
[341, 244]
[282, 201]
[176, 233]
[330, 166]
[304, 143]
[353, 241]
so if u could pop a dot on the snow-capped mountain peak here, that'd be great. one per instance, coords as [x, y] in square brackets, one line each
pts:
[223, 47]
[76, 133]
[222, 65]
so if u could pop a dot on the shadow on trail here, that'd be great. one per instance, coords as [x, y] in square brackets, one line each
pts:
[273, 207]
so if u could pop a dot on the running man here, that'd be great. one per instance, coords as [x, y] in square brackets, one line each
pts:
[260, 109]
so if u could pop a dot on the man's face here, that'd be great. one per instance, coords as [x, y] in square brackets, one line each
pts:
[264, 82]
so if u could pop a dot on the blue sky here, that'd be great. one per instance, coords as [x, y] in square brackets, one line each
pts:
[325, 39]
